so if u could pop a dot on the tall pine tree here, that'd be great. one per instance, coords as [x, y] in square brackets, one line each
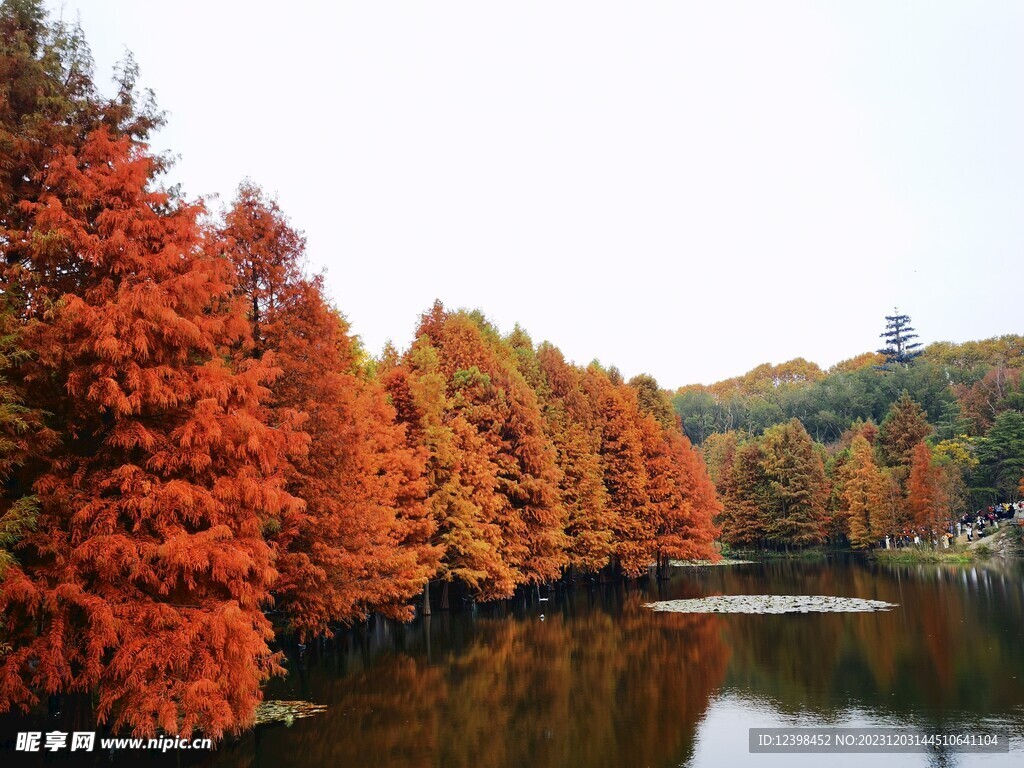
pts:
[900, 347]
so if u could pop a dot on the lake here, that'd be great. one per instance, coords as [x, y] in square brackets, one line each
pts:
[592, 678]
[589, 677]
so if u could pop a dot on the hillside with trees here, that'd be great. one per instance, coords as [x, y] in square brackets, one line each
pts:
[907, 437]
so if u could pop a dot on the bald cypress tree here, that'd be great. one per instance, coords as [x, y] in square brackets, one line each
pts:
[358, 543]
[744, 520]
[654, 401]
[926, 499]
[625, 472]
[863, 491]
[797, 483]
[145, 579]
[904, 427]
[575, 428]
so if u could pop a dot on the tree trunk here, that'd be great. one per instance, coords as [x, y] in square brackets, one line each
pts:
[426, 599]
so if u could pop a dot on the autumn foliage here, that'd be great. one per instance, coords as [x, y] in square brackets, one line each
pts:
[360, 540]
[198, 456]
[535, 465]
[926, 497]
[863, 495]
[146, 577]
[775, 491]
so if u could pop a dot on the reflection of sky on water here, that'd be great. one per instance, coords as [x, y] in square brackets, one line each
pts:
[722, 737]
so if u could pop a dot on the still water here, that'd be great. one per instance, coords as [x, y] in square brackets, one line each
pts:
[592, 678]
[589, 677]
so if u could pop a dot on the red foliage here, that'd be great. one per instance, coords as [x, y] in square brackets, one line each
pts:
[575, 430]
[625, 471]
[687, 530]
[361, 541]
[462, 497]
[925, 493]
[145, 578]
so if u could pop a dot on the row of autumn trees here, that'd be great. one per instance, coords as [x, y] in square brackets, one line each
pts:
[196, 452]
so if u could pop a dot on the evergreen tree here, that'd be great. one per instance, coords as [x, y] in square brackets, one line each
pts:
[900, 347]
[23, 437]
[1000, 456]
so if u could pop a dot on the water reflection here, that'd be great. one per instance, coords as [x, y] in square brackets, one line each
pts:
[951, 650]
[601, 681]
[591, 682]
[591, 678]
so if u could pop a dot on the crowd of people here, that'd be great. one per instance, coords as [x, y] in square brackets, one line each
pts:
[973, 525]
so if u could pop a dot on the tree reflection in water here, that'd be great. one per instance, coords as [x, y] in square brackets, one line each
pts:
[602, 681]
[592, 682]
[951, 650]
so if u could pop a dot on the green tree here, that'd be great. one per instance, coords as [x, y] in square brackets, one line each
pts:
[746, 491]
[653, 400]
[698, 411]
[797, 483]
[21, 437]
[1001, 456]
[900, 347]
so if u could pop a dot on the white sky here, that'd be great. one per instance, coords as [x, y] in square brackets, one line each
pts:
[682, 188]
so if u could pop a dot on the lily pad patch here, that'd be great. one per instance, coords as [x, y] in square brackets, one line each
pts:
[772, 604]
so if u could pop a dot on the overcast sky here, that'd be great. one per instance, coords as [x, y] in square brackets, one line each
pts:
[686, 189]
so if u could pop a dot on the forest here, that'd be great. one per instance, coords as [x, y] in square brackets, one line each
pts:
[200, 460]
[905, 438]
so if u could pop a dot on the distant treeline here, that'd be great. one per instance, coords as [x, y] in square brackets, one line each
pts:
[961, 386]
[866, 449]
